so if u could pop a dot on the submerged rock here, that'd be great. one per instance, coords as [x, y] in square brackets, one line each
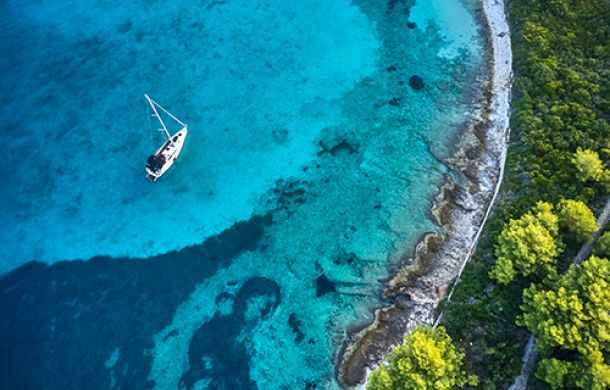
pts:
[416, 82]
[338, 148]
[324, 286]
[295, 324]
[394, 102]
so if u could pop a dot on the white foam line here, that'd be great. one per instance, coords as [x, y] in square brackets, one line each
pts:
[499, 129]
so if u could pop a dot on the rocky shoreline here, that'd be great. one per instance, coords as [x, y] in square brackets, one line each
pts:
[460, 208]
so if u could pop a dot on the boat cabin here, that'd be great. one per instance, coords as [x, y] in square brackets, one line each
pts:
[155, 162]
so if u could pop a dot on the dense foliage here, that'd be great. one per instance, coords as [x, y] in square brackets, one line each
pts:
[427, 360]
[589, 166]
[569, 313]
[571, 319]
[530, 245]
[527, 245]
[577, 219]
[603, 245]
[561, 60]
[559, 155]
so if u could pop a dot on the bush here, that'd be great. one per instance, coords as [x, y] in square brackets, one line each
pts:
[427, 360]
[602, 248]
[578, 219]
[527, 245]
[589, 165]
[569, 316]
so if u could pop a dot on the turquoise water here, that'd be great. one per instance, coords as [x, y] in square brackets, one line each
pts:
[312, 159]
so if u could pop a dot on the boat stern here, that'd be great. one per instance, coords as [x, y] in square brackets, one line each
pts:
[151, 176]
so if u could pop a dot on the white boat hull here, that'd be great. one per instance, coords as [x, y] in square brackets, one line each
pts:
[166, 156]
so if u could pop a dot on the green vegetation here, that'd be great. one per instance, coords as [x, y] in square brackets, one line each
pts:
[561, 54]
[520, 279]
[577, 219]
[589, 165]
[527, 245]
[571, 318]
[603, 245]
[427, 360]
[568, 312]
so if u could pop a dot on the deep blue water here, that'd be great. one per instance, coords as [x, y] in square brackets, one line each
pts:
[318, 132]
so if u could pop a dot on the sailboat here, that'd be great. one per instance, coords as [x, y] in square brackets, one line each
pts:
[159, 162]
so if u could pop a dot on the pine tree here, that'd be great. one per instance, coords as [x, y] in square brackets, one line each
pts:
[570, 316]
[427, 360]
[589, 165]
[578, 219]
[527, 245]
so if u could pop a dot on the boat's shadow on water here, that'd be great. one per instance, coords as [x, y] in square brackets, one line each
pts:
[61, 323]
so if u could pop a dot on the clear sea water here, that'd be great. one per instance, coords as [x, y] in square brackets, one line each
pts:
[311, 164]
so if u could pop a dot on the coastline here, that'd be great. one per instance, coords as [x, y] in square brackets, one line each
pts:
[414, 292]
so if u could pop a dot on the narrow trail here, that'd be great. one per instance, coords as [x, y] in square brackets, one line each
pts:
[529, 358]
[530, 355]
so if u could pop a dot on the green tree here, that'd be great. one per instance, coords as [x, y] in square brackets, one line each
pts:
[562, 101]
[570, 317]
[527, 245]
[555, 372]
[589, 165]
[602, 248]
[380, 379]
[578, 219]
[427, 360]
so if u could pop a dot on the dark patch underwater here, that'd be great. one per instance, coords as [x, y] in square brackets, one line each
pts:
[60, 323]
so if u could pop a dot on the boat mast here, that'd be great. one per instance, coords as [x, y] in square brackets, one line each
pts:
[152, 104]
[170, 114]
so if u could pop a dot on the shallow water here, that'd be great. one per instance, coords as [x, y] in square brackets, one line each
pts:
[308, 174]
